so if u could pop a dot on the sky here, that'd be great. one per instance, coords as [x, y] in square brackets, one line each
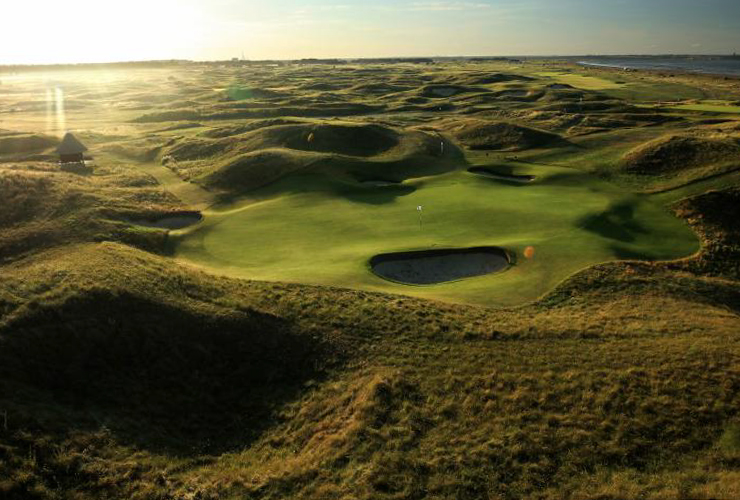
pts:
[77, 31]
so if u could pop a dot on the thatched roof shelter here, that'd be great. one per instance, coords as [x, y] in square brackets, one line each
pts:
[71, 149]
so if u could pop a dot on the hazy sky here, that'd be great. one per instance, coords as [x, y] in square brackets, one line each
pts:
[49, 31]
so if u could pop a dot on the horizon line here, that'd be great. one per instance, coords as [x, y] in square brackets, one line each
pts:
[347, 59]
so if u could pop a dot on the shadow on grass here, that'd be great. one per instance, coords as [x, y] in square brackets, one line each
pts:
[617, 223]
[376, 195]
[162, 378]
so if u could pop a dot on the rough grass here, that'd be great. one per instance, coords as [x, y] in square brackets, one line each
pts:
[586, 387]
[126, 375]
[677, 152]
[501, 136]
[14, 144]
[266, 153]
[48, 207]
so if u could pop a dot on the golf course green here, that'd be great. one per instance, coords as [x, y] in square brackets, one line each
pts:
[311, 228]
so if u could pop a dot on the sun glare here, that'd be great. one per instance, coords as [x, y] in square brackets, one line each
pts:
[80, 31]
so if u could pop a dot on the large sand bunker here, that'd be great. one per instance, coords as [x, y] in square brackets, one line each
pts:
[427, 267]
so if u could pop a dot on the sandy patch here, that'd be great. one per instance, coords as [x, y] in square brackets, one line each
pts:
[438, 266]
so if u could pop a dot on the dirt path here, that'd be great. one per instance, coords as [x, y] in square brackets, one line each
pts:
[190, 194]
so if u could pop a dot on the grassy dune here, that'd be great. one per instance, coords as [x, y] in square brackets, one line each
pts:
[255, 355]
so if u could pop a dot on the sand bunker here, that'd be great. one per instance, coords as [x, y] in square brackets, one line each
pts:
[501, 176]
[176, 220]
[428, 267]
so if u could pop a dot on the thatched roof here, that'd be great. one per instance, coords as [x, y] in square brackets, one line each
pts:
[70, 145]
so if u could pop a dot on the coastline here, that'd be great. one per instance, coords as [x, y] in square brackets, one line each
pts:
[661, 65]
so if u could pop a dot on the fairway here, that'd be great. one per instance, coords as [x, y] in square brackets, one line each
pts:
[708, 108]
[312, 229]
[581, 81]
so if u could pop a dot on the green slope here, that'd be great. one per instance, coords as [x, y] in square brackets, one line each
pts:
[309, 229]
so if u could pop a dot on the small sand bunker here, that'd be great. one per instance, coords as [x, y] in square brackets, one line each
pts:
[427, 267]
[501, 176]
[177, 220]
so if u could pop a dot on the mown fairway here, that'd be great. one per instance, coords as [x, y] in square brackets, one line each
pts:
[310, 229]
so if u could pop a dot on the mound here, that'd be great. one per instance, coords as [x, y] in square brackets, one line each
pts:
[25, 143]
[560, 86]
[351, 140]
[443, 90]
[591, 106]
[161, 370]
[714, 215]
[499, 78]
[322, 86]
[45, 207]
[197, 149]
[243, 93]
[255, 169]
[680, 152]
[220, 132]
[380, 88]
[167, 116]
[172, 220]
[23, 196]
[262, 156]
[263, 111]
[502, 136]
[345, 139]
[143, 150]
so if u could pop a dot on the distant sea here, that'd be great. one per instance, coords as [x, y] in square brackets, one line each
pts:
[715, 66]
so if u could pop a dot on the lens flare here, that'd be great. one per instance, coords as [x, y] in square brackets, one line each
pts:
[61, 118]
[49, 111]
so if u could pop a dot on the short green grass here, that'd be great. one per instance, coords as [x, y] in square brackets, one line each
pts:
[581, 81]
[708, 108]
[309, 229]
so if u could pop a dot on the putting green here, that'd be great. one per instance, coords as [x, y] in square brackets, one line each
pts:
[708, 108]
[581, 81]
[312, 229]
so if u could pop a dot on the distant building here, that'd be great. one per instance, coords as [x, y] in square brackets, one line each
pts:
[71, 149]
